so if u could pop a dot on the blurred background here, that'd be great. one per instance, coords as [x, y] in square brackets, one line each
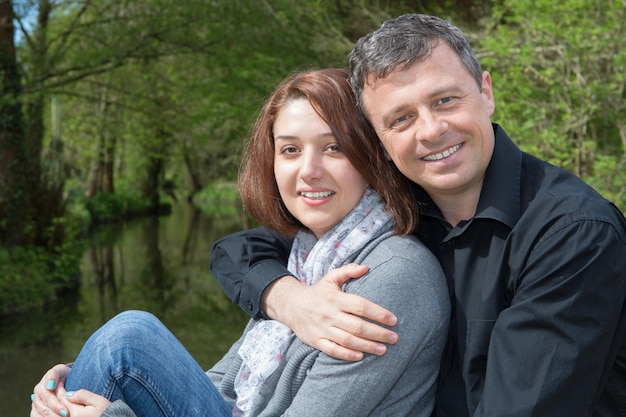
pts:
[157, 264]
[122, 123]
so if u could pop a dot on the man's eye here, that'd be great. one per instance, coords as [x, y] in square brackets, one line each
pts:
[445, 100]
[400, 119]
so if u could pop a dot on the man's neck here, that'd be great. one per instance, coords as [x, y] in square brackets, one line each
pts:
[455, 208]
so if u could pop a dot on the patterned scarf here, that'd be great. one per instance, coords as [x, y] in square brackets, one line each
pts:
[310, 259]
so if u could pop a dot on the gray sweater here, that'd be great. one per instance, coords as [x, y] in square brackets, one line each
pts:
[405, 278]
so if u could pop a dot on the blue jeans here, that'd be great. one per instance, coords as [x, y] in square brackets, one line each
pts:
[135, 358]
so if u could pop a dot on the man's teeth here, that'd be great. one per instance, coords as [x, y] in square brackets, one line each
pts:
[443, 154]
[317, 194]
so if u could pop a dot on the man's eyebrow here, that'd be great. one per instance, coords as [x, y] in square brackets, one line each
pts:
[445, 90]
[390, 116]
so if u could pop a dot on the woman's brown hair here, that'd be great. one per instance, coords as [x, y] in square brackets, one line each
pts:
[330, 95]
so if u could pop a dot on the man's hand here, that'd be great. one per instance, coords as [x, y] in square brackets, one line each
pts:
[326, 318]
[45, 401]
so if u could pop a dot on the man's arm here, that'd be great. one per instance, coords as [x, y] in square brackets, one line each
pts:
[245, 263]
[250, 266]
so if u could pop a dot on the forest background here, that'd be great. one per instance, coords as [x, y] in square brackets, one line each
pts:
[115, 108]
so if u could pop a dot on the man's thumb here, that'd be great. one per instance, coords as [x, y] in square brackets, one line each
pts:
[347, 272]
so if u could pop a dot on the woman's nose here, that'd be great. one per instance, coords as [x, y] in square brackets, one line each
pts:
[311, 168]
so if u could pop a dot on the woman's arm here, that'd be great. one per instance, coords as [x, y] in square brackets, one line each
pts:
[406, 278]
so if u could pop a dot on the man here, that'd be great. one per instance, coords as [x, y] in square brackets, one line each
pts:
[535, 259]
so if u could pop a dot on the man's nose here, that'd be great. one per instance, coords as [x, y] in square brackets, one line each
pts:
[430, 126]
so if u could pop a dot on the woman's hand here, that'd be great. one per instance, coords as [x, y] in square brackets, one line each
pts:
[326, 318]
[83, 403]
[45, 401]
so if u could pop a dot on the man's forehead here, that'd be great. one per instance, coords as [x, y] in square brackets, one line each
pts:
[374, 80]
[377, 75]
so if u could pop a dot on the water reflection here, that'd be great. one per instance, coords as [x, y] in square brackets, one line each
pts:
[157, 264]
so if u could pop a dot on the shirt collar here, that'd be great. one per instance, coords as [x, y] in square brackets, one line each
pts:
[500, 195]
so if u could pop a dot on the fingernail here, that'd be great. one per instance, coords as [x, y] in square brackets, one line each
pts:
[69, 393]
[51, 384]
[63, 413]
[32, 397]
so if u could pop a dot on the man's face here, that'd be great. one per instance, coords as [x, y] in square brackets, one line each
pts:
[434, 123]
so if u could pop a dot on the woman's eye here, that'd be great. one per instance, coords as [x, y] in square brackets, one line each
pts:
[334, 148]
[289, 150]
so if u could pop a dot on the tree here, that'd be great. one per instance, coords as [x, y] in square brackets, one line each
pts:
[12, 148]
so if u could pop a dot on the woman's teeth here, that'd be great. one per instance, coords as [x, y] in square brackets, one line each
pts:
[316, 194]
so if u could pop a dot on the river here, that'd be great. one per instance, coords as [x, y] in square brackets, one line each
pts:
[155, 264]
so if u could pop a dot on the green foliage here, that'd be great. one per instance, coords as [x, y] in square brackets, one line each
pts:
[105, 207]
[558, 74]
[31, 275]
[126, 203]
[23, 273]
[219, 197]
[167, 90]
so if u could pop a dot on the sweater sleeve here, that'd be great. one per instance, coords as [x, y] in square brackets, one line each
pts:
[118, 409]
[405, 278]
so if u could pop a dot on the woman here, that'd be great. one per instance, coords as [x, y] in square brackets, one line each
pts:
[313, 169]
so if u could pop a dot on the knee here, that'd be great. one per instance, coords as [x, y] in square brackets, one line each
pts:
[133, 317]
[132, 325]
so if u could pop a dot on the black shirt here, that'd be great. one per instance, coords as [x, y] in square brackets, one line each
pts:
[538, 285]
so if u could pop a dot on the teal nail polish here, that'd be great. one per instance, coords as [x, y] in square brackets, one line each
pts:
[32, 397]
[51, 384]
[69, 393]
[63, 413]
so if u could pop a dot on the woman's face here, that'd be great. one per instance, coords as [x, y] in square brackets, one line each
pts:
[316, 181]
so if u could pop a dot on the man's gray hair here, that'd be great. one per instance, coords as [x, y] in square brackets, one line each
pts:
[402, 41]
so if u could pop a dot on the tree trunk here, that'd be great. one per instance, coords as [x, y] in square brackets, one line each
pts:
[151, 186]
[12, 149]
[93, 185]
[195, 180]
[43, 201]
[108, 165]
[155, 168]
[102, 173]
